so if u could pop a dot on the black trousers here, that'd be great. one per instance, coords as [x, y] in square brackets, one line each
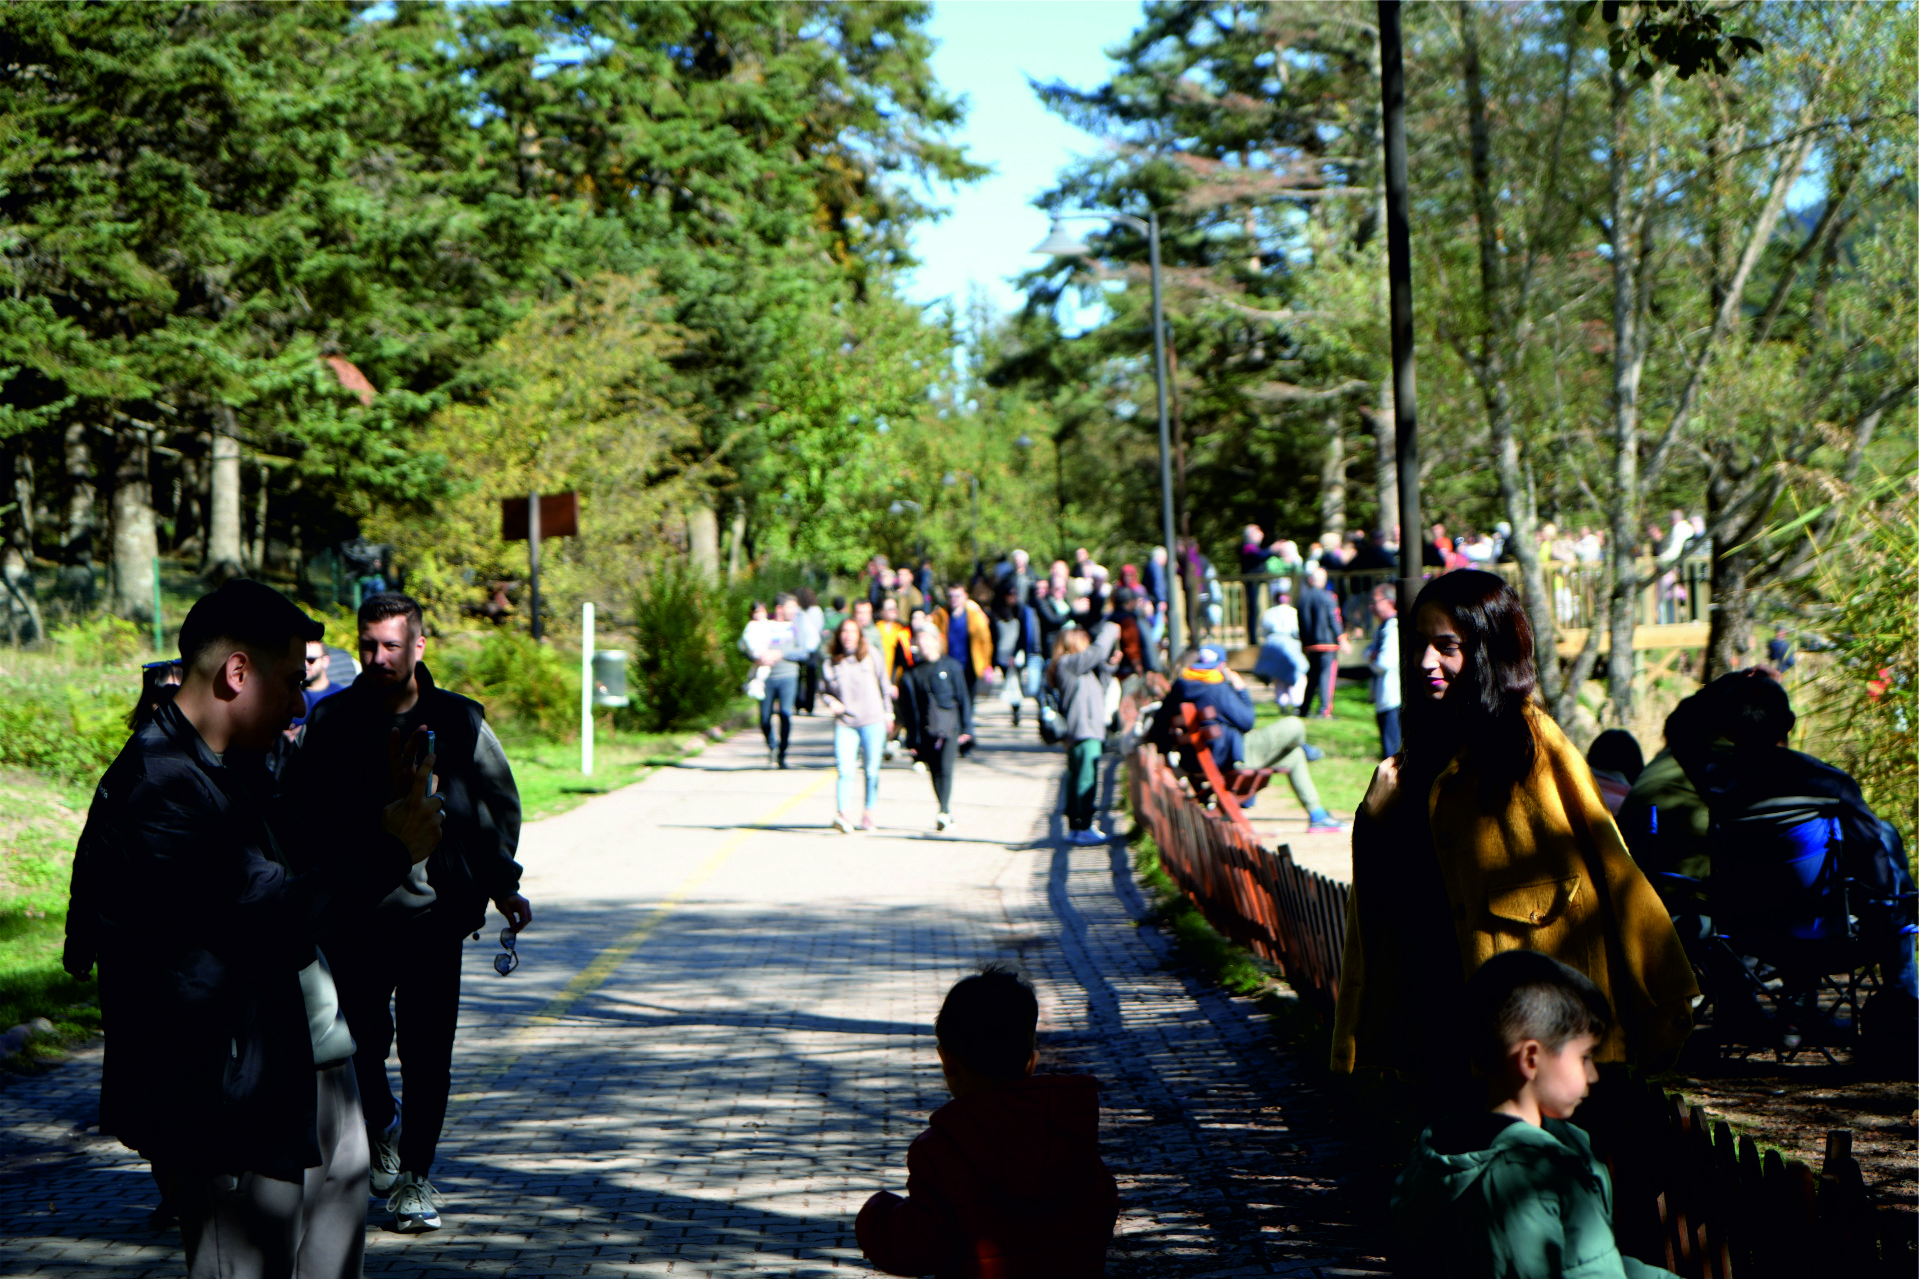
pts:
[939, 765]
[402, 982]
[1321, 670]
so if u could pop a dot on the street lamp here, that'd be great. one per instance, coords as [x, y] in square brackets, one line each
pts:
[1059, 244]
[950, 479]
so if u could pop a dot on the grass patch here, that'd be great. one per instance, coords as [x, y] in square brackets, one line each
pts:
[1204, 946]
[548, 775]
[39, 821]
[1350, 740]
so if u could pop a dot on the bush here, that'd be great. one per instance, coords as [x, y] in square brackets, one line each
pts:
[520, 680]
[101, 641]
[67, 735]
[683, 671]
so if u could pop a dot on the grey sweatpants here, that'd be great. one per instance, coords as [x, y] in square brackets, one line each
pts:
[1276, 745]
[246, 1226]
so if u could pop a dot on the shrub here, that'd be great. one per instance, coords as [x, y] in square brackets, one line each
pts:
[101, 641]
[68, 735]
[519, 679]
[682, 671]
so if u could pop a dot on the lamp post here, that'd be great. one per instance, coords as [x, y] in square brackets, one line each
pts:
[1061, 245]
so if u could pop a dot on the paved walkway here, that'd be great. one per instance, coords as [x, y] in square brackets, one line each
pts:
[720, 1043]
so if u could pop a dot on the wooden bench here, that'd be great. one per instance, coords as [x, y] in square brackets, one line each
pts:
[1195, 734]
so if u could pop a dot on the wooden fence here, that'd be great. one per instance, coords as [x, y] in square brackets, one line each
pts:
[1689, 1196]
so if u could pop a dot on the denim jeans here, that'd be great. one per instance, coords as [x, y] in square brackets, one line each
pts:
[848, 745]
[1082, 781]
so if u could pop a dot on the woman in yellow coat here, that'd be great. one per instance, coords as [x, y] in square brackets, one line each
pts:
[1488, 833]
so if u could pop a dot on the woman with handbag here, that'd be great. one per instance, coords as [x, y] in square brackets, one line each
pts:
[1487, 833]
[936, 716]
[855, 689]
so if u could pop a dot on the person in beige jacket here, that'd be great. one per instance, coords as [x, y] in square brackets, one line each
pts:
[855, 688]
[1487, 833]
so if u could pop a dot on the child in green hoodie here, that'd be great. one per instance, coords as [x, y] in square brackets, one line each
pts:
[1514, 1192]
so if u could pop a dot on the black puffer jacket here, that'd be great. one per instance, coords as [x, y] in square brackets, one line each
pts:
[932, 692]
[201, 930]
[338, 781]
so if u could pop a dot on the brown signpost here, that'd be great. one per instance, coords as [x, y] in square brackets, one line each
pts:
[531, 518]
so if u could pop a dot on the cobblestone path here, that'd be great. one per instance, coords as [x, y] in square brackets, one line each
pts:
[720, 1042]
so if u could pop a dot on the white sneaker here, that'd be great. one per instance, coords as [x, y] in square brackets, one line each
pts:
[842, 824]
[943, 822]
[385, 1149]
[414, 1205]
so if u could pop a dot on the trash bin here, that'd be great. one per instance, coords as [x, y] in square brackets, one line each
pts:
[609, 677]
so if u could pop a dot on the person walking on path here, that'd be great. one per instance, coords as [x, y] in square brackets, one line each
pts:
[857, 689]
[1321, 635]
[229, 1067]
[967, 633]
[407, 950]
[1081, 669]
[1009, 638]
[809, 624]
[1382, 655]
[1486, 832]
[776, 652]
[936, 716]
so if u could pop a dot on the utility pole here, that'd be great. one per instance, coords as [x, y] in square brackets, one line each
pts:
[1399, 278]
[533, 561]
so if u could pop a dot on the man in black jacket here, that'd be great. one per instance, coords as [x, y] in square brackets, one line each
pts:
[1320, 634]
[226, 1065]
[411, 944]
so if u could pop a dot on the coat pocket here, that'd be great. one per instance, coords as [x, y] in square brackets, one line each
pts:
[1534, 904]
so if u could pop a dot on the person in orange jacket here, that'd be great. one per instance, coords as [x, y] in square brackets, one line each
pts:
[968, 634]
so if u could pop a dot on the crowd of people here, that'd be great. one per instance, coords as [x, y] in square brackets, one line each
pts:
[907, 665]
[287, 853]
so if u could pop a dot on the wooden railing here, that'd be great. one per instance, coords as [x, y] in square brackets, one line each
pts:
[1689, 1196]
[1682, 599]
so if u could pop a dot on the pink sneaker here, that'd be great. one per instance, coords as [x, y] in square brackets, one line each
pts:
[866, 822]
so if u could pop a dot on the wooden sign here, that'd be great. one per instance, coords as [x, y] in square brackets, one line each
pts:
[559, 516]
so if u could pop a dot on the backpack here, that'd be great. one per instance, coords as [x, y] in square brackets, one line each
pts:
[1052, 714]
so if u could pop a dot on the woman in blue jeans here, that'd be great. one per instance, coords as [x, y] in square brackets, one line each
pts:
[854, 688]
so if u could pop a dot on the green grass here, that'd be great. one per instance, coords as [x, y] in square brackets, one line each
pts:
[1350, 740]
[39, 821]
[1204, 946]
[548, 774]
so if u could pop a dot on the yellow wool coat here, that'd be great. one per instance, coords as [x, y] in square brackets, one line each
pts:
[1524, 878]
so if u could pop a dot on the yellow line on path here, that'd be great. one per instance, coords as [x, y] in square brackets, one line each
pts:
[608, 961]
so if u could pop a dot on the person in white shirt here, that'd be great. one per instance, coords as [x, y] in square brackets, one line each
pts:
[1383, 656]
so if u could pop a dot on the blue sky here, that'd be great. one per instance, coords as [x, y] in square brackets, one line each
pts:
[987, 50]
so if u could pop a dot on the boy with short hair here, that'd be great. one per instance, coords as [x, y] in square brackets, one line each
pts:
[1006, 1182]
[1514, 1190]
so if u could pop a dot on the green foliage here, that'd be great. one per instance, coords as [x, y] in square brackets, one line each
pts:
[1209, 950]
[102, 641]
[1864, 711]
[684, 670]
[522, 683]
[68, 734]
[1682, 34]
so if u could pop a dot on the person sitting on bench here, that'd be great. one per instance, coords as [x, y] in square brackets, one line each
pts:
[1279, 745]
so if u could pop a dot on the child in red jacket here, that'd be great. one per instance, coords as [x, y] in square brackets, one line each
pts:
[1007, 1181]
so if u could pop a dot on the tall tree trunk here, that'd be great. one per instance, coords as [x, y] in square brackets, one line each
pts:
[224, 552]
[1629, 251]
[136, 539]
[1332, 477]
[736, 542]
[258, 555]
[703, 538]
[1490, 369]
[17, 595]
[77, 546]
[1385, 467]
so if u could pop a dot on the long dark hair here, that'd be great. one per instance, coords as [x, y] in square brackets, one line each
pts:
[1485, 709]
